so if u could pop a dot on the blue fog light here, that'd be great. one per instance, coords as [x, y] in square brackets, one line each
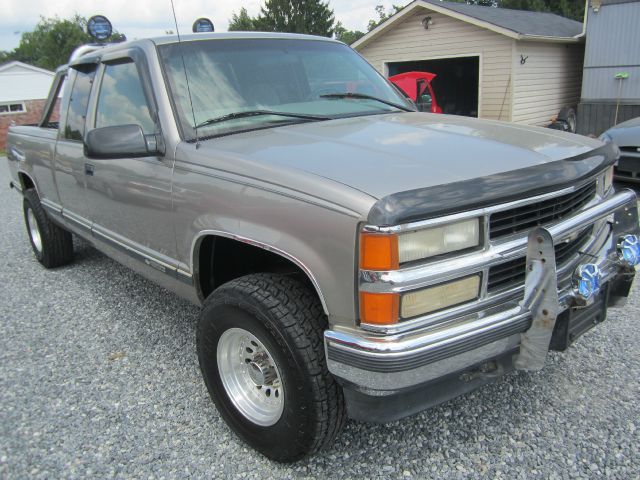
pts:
[588, 278]
[629, 249]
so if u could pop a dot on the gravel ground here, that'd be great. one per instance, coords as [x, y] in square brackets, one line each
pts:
[99, 378]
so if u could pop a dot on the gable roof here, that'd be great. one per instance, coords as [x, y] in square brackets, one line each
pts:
[20, 82]
[20, 67]
[518, 24]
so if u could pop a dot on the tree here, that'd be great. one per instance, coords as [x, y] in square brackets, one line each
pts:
[346, 36]
[573, 9]
[241, 22]
[313, 17]
[383, 15]
[53, 40]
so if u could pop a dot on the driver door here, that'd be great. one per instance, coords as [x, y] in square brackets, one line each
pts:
[129, 199]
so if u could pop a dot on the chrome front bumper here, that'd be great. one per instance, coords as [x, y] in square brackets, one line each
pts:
[378, 364]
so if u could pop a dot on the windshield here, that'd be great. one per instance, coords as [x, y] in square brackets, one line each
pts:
[230, 76]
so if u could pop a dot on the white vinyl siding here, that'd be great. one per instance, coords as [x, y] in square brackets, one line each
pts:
[549, 80]
[448, 37]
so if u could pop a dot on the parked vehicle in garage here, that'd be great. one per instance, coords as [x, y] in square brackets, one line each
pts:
[626, 136]
[417, 85]
[353, 257]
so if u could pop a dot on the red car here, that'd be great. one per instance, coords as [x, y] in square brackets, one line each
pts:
[417, 85]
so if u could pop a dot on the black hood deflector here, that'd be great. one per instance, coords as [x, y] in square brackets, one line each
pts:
[439, 200]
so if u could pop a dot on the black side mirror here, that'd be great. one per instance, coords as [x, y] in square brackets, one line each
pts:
[121, 141]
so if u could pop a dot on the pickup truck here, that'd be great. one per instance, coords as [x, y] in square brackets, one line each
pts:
[354, 258]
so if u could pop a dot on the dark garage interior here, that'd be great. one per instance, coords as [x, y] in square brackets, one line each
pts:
[456, 84]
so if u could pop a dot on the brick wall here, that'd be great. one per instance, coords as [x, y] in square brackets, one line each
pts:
[32, 115]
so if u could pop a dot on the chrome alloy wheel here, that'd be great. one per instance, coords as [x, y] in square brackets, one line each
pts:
[34, 231]
[250, 377]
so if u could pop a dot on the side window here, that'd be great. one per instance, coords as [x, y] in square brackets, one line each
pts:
[51, 115]
[74, 129]
[122, 100]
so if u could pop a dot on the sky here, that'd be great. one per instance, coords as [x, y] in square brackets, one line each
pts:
[144, 18]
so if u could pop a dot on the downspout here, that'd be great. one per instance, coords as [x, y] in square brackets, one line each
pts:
[584, 21]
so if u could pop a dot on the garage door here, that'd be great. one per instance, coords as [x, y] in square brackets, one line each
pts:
[456, 84]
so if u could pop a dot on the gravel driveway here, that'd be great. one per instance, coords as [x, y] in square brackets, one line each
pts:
[99, 377]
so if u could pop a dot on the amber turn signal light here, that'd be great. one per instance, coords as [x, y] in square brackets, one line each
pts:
[379, 252]
[379, 308]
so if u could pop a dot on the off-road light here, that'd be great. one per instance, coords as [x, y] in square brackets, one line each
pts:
[587, 279]
[629, 250]
[202, 25]
[99, 27]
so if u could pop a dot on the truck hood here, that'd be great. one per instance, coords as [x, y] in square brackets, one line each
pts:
[384, 154]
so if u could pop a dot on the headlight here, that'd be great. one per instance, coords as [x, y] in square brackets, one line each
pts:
[440, 297]
[438, 240]
[388, 251]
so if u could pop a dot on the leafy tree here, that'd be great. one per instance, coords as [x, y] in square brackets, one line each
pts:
[5, 56]
[53, 40]
[241, 22]
[296, 16]
[383, 15]
[346, 36]
[567, 8]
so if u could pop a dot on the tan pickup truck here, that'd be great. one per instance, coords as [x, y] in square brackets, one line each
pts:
[353, 257]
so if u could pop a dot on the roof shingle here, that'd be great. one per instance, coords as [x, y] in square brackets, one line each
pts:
[520, 21]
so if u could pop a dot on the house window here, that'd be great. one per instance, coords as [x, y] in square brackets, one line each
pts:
[12, 108]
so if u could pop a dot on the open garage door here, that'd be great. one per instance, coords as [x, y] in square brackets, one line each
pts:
[456, 84]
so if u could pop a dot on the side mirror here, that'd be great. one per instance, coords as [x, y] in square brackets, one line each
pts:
[120, 141]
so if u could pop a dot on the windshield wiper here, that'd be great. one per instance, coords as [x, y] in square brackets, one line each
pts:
[256, 113]
[364, 96]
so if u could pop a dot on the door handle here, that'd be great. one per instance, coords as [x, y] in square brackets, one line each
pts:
[18, 155]
[89, 169]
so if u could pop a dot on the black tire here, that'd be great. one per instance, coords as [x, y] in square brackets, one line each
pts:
[288, 319]
[568, 115]
[56, 247]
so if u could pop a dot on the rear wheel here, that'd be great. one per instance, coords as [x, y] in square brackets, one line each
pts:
[51, 244]
[261, 352]
[568, 115]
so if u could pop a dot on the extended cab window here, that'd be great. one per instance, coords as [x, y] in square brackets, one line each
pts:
[122, 100]
[74, 129]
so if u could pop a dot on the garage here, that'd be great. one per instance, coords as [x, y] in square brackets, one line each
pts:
[456, 84]
[492, 63]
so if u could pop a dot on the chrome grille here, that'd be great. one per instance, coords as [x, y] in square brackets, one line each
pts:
[512, 273]
[523, 218]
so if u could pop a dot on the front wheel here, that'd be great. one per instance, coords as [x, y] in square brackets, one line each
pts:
[260, 347]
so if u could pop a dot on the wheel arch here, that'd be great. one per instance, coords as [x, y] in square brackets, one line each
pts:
[201, 250]
[26, 181]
